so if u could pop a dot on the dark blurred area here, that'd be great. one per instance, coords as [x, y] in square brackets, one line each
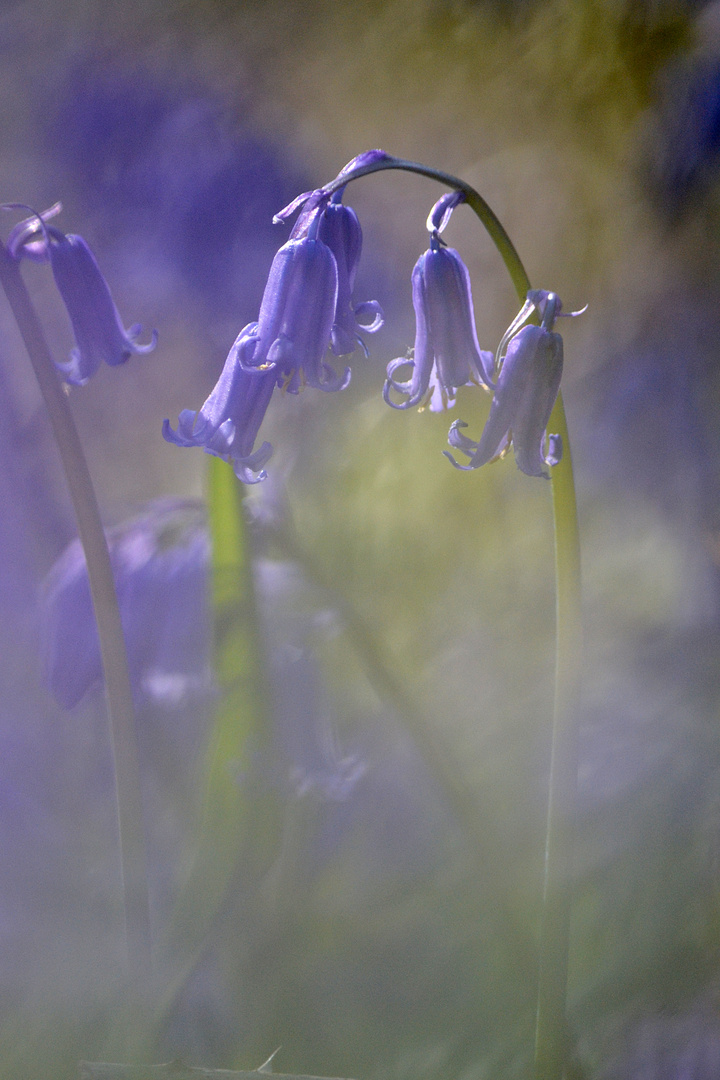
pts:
[396, 935]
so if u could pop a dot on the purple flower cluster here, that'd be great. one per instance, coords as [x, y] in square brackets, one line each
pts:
[308, 314]
[306, 310]
[527, 366]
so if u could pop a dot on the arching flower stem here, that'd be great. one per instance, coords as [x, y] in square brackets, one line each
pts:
[474, 200]
[551, 1036]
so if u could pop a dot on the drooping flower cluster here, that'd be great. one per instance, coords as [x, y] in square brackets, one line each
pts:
[524, 376]
[306, 310]
[308, 315]
[97, 326]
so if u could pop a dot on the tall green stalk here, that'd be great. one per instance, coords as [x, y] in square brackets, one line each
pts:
[239, 825]
[121, 712]
[551, 1036]
[551, 1052]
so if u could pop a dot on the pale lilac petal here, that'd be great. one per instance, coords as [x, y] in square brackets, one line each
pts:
[446, 354]
[526, 390]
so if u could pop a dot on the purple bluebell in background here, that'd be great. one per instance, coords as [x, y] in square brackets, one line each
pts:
[188, 181]
[526, 389]
[160, 563]
[98, 329]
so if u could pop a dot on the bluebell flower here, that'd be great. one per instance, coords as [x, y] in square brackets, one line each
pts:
[446, 353]
[98, 329]
[227, 424]
[287, 345]
[297, 311]
[338, 227]
[530, 359]
[160, 563]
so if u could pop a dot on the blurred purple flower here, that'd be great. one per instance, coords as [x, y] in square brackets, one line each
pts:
[446, 353]
[527, 386]
[99, 332]
[308, 758]
[160, 562]
[98, 329]
[680, 137]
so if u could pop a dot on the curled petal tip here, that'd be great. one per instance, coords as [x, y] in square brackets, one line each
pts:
[134, 332]
[400, 405]
[573, 314]
[250, 469]
[456, 464]
[370, 307]
[289, 210]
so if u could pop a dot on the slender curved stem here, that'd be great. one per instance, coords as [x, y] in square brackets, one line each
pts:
[474, 200]
[121, 711]
[551, 1037]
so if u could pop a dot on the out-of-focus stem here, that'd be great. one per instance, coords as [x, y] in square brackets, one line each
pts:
[121, 712]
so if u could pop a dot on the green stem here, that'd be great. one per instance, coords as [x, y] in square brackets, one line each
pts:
[551, 1038]
[474, 200]
[121, 711]
[240, 821]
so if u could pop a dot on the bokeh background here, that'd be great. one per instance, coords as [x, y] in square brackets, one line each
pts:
[408, 626]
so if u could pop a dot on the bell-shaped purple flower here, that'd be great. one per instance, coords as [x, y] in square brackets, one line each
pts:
[339, 228]
[228, 423]
[446, 354]
[160, 564]
[99, 332]
[98, 329]
[527, 387]
[292, 333]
